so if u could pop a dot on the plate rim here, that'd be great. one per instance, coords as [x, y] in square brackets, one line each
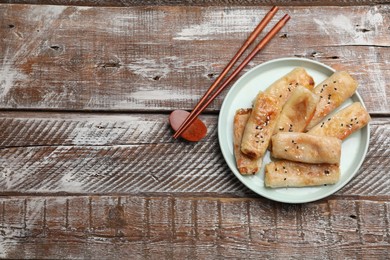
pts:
[264, 194]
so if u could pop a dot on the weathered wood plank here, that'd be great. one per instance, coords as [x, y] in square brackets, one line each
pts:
[127, 3]
[161, 58]
[139, 227]
[98, 153]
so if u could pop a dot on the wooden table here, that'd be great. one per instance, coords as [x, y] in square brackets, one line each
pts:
[88, 165]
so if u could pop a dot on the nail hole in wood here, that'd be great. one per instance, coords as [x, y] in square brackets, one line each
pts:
[156, 78]
[284, 35]
[109, 65]
[55, 47]
[210, 75]
[335, 57]
[353, 216]
[364, 30]
[11, 26]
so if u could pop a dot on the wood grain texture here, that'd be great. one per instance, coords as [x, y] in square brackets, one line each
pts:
[162, 58]
[130, 3]
[140, 227]
[98, 153]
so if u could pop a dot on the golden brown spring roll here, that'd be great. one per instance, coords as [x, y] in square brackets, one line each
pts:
[260, 126]
[293, 174]
[283, 87]
[343, 123]
[307, 148]
[245, 164]
[297, 111]
[332, 92]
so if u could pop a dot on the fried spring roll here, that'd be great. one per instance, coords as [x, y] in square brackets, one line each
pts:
[292, 174]
[245, 164]
[306, 148]
[343, 123]
[260, 126]
[297, 111]
[283, 87]
[266, 110]
[333, 92]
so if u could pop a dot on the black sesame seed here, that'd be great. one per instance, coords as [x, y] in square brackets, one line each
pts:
[285, 178]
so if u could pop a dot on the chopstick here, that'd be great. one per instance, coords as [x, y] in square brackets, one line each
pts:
[259, 28]
[205, 102]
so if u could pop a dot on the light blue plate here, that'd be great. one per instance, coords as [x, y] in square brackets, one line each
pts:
[241, 95]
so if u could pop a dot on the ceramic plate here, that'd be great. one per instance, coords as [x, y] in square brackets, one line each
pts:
[241, 95]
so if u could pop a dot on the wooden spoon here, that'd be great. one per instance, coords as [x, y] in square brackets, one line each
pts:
[195, 132]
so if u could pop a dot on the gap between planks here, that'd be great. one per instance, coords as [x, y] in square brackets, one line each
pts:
[146, 3]
[115, 112]
[209, 196]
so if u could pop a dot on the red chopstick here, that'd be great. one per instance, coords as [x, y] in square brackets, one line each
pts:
[192, 116]
[267, 18]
